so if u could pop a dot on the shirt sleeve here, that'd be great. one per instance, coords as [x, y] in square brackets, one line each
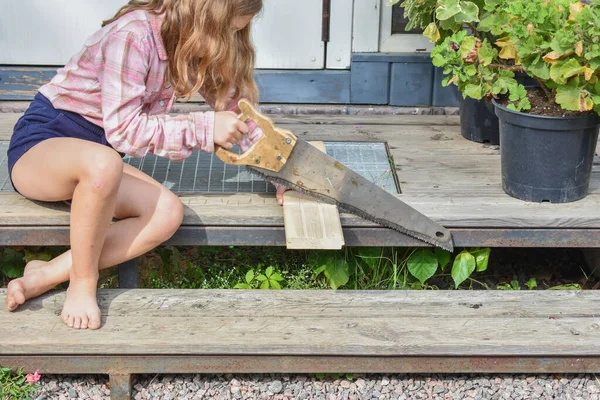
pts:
[129, 130]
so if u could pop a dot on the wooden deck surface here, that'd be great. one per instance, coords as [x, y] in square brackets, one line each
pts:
[316, 323]
[453, 181]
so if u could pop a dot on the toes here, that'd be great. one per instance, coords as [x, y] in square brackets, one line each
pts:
[11, 304]
[84, 322]
[94, 321]
[15, 295]
[77, 323]
[19, 297]
[70, 321]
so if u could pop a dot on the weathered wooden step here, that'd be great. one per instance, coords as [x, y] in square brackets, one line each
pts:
[151, 331]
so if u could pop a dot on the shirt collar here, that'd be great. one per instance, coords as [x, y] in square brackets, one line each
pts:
[156, 24]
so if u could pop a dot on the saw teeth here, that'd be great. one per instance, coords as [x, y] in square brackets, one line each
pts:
[351, 210]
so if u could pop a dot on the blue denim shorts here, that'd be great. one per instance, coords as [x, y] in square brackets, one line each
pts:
[42, 121]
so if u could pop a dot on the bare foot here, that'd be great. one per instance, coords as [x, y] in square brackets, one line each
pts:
[81, 310]
[33, 283]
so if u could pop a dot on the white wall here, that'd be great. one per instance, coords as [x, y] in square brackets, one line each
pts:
[287, 34]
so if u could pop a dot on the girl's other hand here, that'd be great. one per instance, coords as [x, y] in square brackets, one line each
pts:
[228, 129]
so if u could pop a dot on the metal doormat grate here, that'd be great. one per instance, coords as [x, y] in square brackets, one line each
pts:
[204, 172]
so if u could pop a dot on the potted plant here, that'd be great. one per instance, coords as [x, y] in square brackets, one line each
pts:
[548, 134]
[448, 23]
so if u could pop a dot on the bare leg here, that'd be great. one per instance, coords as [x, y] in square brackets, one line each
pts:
[150, 215]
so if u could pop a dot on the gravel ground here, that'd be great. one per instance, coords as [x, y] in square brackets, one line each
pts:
[400, 387]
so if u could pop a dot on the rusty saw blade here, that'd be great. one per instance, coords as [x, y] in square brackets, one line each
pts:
[315, 174]
[283, 158]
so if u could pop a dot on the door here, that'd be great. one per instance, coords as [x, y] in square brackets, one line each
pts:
[287, 34]
[379, 27]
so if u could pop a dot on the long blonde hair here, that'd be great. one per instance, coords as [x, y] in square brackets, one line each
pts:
[203, 51]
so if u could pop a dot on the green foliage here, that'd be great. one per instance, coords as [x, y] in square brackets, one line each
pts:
[368, 268]
[14, 386]
[12, 263]
[269, 280]
[567, 286]
[333, 265]
[423, 263]
[531, 284]
[333, 376]
[481, 44]
[513, 285]
[13, 260]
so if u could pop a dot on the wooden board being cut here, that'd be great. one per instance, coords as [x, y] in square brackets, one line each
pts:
[311, 224]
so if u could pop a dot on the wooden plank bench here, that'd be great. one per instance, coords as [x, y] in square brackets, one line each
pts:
[222, 331]
[452, 180]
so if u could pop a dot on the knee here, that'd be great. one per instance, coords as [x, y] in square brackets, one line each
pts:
[168, 216]
[104, 172]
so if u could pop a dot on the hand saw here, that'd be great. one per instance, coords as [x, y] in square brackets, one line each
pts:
[282, 157]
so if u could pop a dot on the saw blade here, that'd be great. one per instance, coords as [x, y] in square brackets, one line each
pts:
[315, 174]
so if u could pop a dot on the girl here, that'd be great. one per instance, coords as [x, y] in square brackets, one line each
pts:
[113, 97]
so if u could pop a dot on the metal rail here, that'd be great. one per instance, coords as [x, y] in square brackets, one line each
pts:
[121, 368]
[354, 236]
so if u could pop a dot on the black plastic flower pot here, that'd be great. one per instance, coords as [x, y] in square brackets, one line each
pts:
[478, 122]
[546, 159]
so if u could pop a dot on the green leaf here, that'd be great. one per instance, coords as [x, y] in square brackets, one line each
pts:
[276, 277]
[443, 257]
[476, 92]
[463, 267]
[261, 278]
[568, 286]
[563, 42]
[242, 286]
[337, 273]
[595, 63]
[42, 254]
[249, 276]
[515, 284]
[466, 46]
[334, 266]
[572, 68]
[320, 269]
[572, 98]
[487, 54]
[517, 92]
[556, 73]
[371, 256]
[469, 12]
[265, 285]
[432, 32]
[269, 271]
[504, 82]
[438, 60]
[12, 263]
[531, 284]
[275, 285]
[470, 70]
[482, 258]
[539, 69]
[422, 264]
[447, 9]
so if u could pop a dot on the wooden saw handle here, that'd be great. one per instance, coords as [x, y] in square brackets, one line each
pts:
[270, 152]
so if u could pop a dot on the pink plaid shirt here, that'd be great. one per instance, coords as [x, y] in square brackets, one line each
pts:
[117, 82]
